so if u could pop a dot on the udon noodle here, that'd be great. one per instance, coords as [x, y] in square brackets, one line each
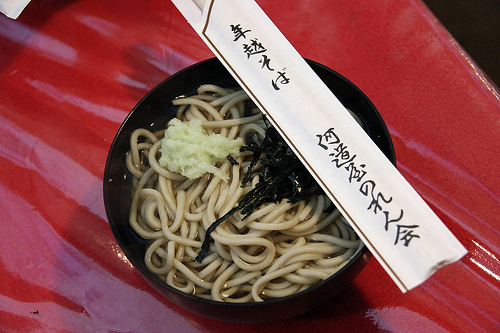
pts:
[278, 250]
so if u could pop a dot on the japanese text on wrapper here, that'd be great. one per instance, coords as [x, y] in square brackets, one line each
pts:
[355, 173]
[256, 50]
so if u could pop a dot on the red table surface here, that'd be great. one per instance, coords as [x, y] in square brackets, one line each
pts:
[70, 71]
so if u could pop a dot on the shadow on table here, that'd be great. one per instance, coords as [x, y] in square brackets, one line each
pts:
[336, 315]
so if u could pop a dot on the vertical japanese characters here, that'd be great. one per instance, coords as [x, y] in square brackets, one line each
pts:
[257, 51]
[342, 158]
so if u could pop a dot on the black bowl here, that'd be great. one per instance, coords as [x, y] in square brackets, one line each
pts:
[153, 111]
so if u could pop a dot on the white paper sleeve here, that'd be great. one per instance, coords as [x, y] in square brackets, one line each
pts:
[13, 8]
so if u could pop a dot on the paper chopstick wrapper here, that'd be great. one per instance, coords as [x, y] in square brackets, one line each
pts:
[13, 8]
[395, 223]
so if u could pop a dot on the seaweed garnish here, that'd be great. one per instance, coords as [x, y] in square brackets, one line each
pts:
[283, 176]
[232, 160]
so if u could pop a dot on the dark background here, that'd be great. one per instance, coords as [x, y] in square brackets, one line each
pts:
[475, 24]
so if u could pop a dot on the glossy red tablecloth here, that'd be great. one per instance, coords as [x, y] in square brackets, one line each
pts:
[70, 71]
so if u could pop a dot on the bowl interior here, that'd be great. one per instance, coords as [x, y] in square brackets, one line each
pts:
[154, 111]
